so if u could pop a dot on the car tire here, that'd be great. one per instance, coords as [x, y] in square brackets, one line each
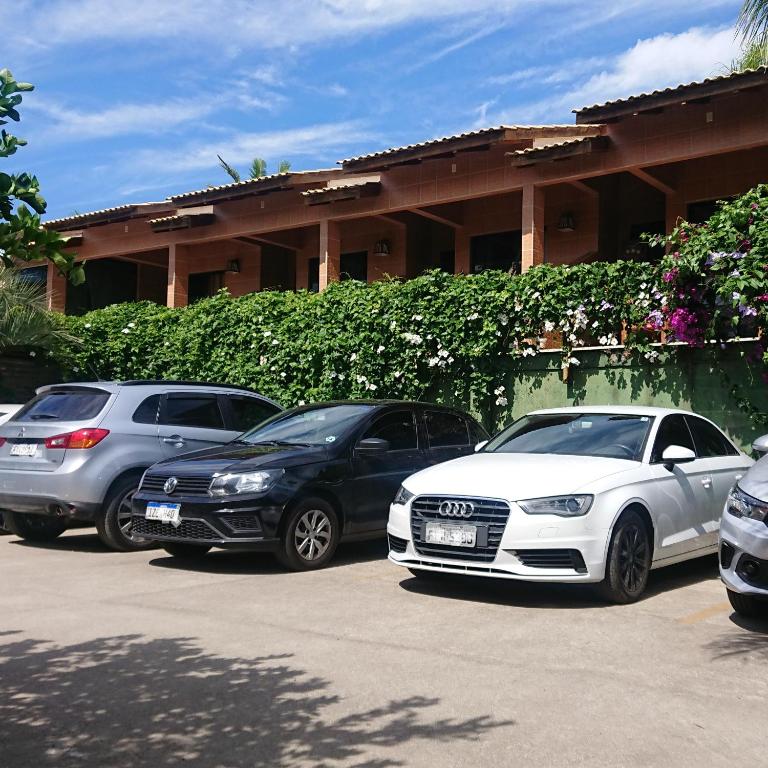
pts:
[629, 561]
[310, 536]
[748, 606]
[34, 527]
[113, 525]
[185, 551]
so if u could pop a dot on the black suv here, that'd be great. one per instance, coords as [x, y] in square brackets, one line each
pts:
[300, 482]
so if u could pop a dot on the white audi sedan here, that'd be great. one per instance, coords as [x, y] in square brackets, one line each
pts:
[587, 494]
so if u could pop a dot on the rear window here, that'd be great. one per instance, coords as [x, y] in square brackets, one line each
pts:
[247, 412]
[446, 429]
[64, 405]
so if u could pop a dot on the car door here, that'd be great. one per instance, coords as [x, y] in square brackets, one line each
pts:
[377, 476]
[447, 435]
[677, 492]
[189, 421]
[723, 466]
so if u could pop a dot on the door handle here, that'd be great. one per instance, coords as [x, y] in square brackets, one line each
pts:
[706, 481]
[177, 440]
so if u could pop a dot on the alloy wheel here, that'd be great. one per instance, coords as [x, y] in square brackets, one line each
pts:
[312, 535]
[633, 557]
[124, 517]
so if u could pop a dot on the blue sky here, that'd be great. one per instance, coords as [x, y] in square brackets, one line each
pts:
[135, 98]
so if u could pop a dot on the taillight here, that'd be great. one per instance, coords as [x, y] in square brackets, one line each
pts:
[2, 441]
[82, 438]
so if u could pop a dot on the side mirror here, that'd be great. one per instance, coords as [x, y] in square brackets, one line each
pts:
[372, 445]
[761, 444]
[481, 445]
[676, 454]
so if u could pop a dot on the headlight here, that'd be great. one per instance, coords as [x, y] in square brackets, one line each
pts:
[564, 506]
[741, 504]
[244, 482]
[403, 495]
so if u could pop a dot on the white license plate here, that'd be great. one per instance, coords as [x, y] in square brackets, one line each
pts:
[23, 449]
[165, 513]
[451, 535]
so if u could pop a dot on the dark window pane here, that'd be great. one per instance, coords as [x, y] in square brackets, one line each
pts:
[146, 413]
[247, 412]
[64, 406]
[203, 285]
[192, 411]
[399, 428]
[354, 266]
[444, 429]
[476, 433]
[708, 439]
[500, 250]
[313, 275]
[672, 431]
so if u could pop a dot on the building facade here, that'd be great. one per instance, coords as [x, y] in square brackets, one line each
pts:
[507, 197]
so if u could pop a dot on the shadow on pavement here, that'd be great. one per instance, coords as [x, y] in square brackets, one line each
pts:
[247, 563]
[543, 595]
[751, 645]
[68, 542]
[129, 701]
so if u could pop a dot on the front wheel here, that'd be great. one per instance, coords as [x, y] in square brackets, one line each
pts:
[748, 605]
[115, 525]
[34, 527]
[310, 536]
[629, 561]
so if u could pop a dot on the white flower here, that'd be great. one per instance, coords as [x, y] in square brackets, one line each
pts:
[501, 401]
[433, 361]
[126, 330]
[574, 361]
[333, 374]
[392, 325]
[353, 357]
[267, 333]
[398, 374]
[413, 338]
[131, 325]
[370, 386]
[301, 402]
[87, 325]
[417, 318]
[503, 319]
[549, 326]
[282, 375]
[380, 349]
[442, 353]
[262, 360]
[275, 342]
[473, 316]
[652, 356]
[33, 354]
[499, 390]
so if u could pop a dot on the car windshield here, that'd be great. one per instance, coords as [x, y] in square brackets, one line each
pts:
[610, 435]
[322, 425]
[64, 405]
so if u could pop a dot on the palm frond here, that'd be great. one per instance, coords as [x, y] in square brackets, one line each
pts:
[752, 23]
[258, 168]
[233, 172]
[284, 166]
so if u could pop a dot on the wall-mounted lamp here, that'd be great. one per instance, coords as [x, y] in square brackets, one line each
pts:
[233, 265]
[382, 248]
[566, 223]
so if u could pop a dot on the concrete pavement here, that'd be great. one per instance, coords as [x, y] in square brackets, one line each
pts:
[110, 659]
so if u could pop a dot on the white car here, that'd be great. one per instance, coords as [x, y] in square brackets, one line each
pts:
[8, 410]
[588, 494]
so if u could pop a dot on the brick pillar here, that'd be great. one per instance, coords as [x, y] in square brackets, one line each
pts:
[533, 227]
[178, 276]
[461, 260]
[330, 253]
[56, 289]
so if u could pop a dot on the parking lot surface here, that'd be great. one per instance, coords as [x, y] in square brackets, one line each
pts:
[110, 659]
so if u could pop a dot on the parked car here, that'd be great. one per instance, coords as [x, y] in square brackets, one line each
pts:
[301, 482]
[7, 410]
[744, 539]
[78, 451]
[588, 494]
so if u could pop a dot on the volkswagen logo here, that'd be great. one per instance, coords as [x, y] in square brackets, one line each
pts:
[456, 509]
[170, 485]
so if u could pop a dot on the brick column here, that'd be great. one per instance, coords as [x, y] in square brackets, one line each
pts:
[461, 260]
[533, 227]
[178, 276]
[330, 253]
[56, 289]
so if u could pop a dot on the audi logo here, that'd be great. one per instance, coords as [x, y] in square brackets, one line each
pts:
[169, 486]
[456, 509]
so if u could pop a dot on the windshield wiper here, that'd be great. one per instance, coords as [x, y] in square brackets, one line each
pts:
[276, 443]
[39, 416]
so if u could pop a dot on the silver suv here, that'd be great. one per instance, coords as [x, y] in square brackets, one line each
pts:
[78, 451]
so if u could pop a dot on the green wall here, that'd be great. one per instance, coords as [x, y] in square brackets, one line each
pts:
[698, 380]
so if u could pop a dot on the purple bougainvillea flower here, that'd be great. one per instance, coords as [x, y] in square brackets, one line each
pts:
[671, 276]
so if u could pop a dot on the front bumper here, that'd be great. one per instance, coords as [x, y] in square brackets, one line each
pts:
[546, 549]
[743, 541]
[226, 523]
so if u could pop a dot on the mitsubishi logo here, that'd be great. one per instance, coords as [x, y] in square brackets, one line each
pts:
[170, 485]
[456, 509]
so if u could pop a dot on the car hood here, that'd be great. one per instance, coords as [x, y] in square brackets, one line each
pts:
[755, 482]
[516, 476]
[241, 458]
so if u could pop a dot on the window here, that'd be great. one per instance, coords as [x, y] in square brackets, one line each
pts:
[313, 275]
[354, 266]
[445, 429]
[146, 413]
[204, 284]
[500, 250]
[193, 411]
[672, 431]
[246, 412]
[64, 405]
[708, 439]
[399, 428]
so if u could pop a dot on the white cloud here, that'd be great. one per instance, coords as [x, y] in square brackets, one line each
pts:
[325, 139]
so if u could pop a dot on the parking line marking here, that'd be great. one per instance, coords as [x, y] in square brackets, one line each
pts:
[706, 613]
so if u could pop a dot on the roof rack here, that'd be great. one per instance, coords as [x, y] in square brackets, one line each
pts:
[161, 382]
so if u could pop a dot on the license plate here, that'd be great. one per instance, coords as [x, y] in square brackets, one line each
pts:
[451, 535]
[165, 513]
[23, 449]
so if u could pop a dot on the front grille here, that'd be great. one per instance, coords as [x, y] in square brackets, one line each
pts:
[242, 523]
[186, 486]
[490, 517]
[552, 558]
[189, 529]
[396, 544]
